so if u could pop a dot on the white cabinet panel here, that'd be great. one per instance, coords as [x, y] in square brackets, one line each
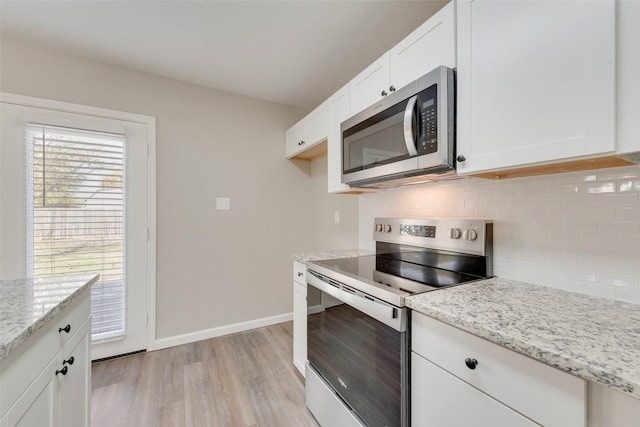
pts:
[37, 406]
[368, 86]
[339, 111]
[74, 388]
[627, 72]
[440, 399]
[307, 133]
[431, 45]
[300, 272]
[299, 326]
[299, 315]
[536, 81]
[317, 125]
[542, 393]
[58, 393]
[295, 139]
[608, 407]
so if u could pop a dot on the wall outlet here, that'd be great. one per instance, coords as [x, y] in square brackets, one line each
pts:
[223, 203]
[336, 217]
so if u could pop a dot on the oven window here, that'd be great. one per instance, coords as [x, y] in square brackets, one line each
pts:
[361, 359]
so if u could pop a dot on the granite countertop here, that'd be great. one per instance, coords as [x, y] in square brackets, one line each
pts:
[320, 255]
[592, 338]
[28, 304]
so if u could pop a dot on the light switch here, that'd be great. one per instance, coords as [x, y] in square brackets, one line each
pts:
[336, 217]
[223, 203]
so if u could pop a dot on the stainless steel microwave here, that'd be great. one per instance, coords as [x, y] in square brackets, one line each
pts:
[409, 136]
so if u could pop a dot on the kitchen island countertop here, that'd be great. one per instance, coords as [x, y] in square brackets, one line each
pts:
[593, 338]
[28, 304]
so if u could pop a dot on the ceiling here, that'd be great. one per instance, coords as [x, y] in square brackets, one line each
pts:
[295, 52]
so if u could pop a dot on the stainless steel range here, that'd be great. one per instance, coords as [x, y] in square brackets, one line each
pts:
[357, 326]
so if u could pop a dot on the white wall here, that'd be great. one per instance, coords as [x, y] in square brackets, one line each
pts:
[328, 235]
[576, 231]
[214, 268]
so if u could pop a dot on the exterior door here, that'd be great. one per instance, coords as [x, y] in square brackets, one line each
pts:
[74, 199]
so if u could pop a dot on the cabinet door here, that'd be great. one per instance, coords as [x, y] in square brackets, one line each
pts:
[74, 388]
[536, 82]
[299, 326]
[316, 125]
[295, 139]
[440, 399]
[431, 45]
[367, 87]
[339, 111]
[37, 405]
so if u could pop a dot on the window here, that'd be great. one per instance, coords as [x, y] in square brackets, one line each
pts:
[75, 215]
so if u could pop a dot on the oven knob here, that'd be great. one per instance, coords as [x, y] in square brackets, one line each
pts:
[455, 233]
[470, 234]
[378, 228]
[387, 228]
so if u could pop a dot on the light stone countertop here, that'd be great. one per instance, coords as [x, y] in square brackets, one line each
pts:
[28, 304]
[592, 338]
[321, 255]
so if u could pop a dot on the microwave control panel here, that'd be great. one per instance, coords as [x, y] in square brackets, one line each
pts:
[428, 110]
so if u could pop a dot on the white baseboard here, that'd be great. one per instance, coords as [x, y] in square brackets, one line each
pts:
[218, 331]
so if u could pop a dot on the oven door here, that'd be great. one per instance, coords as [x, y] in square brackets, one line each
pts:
[358, 346]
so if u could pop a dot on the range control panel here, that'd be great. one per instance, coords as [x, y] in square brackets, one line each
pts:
[460, 235]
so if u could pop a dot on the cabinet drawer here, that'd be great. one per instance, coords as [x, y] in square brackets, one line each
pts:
[434, 391]
[73, 316]
[538, 391]
[26, 362]
[300, 272]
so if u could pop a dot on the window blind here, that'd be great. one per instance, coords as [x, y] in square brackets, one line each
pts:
[75, 215]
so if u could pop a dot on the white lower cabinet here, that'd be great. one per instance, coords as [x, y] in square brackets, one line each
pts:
[74, 389]
[46, 381]
[299, 316]
[440, 399]
[503, 388]
[299, 326]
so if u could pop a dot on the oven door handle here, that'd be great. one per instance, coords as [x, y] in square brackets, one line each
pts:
[386, 313]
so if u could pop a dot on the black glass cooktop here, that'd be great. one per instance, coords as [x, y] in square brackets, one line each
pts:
[382, 269]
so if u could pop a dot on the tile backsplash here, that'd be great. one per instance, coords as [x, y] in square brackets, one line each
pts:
[577, 231]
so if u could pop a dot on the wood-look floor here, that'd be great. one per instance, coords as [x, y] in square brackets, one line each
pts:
[240, 380]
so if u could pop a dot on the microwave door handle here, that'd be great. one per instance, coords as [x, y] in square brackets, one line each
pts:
[409, 138]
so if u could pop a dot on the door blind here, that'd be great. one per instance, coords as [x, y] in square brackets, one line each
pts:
[75, 215]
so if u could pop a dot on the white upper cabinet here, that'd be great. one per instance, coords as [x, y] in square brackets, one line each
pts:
[294, 138]
[339, 110]
[301, 138]
[628, 70]
[431, 45]
[370, 85]
[536, 82]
